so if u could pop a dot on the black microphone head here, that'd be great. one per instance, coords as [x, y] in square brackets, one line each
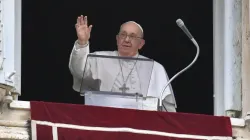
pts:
[180, 23]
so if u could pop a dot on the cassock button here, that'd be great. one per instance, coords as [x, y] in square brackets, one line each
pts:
[130, 65]
[132, 79]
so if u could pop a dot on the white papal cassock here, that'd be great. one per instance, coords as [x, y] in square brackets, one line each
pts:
[113, 81]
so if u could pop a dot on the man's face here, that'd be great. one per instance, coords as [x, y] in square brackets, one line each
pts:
[129, 39]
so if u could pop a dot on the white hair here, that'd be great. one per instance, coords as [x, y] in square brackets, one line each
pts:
[135, 24]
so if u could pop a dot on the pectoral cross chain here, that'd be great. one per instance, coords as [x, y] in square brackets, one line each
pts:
[124, 88]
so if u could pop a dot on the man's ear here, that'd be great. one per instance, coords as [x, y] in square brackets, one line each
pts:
[142, 43]
[116, 37]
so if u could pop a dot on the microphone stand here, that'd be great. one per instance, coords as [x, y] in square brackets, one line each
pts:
[176, 75]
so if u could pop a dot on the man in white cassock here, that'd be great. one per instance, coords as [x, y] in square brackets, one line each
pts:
[125, 75]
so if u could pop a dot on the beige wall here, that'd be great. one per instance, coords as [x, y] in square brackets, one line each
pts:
[245, 57]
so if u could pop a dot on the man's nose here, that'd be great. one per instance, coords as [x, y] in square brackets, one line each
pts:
[127, 38]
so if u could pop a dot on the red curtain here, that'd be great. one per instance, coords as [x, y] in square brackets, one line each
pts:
[80, 122]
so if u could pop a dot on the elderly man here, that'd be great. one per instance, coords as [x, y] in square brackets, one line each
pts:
[129, 42]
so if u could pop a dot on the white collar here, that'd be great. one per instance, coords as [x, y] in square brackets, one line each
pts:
[135, 56]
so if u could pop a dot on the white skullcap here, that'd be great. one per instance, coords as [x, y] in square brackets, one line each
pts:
[135, 24]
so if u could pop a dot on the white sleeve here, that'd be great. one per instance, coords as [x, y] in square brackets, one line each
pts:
[158, 82]
[77, 61]
[169, 103]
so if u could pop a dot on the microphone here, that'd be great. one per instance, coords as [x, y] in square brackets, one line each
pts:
[181, 24]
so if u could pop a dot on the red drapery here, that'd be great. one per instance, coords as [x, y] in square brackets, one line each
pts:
[52, 121]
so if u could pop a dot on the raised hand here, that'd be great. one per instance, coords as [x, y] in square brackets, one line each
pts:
[83, 30]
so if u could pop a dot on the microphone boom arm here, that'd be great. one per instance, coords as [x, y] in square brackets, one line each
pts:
[176, 75]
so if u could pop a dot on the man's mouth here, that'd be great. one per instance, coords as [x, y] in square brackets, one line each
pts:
[127, 46]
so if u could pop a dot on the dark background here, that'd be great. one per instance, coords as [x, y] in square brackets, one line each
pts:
[48, 35]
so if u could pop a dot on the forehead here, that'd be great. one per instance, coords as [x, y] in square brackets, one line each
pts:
[130, 28]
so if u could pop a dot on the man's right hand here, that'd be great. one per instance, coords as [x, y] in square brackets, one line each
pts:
[83, 30]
